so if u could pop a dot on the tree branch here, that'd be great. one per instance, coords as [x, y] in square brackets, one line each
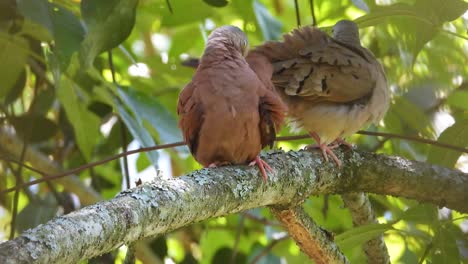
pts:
[316, 242]
[164, 205]
[362, 213]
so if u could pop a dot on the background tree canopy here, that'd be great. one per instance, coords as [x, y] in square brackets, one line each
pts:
[66, 96]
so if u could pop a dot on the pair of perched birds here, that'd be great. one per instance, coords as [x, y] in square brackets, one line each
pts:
[330, 86]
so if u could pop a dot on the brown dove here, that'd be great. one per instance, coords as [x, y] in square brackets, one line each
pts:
[227, 115]
[332, 86]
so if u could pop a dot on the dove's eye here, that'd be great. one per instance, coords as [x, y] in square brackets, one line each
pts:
[245, 43]
[244, 46]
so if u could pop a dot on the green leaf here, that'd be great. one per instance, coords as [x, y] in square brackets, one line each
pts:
[267, 258]
[216, 3]
[37, 11]
[62, 24]
[458, 99]
[37, 212]
[185, 13]
[138, 132]
[361, 234]
[456, 135]
[68, 33]
[417, 120]
[445, 248]
[225, 253]
[142, 163]
[148, 108]
[270, 26]
[408, 256]
[43, 101]
[13, 54]
[85, 123]
[421, 213]
[17, 88]
[180, 35]
[441, 11]
[109, 24]
[34, 128]
[416, 24]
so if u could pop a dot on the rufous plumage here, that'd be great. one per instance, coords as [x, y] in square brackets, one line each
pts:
[227, 114]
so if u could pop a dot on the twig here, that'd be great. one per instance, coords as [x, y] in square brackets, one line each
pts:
[267, 249]
[123, 136]
[239, 229]
[92, 164]
[125, 159]
[19, 181]
[260, 220]
[414, 138]
[169, 7]
[312, 12]
[298, 15]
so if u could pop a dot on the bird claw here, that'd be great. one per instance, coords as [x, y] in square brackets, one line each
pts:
[340, 141]
[212, 165]
[327, 149]
[263, 166]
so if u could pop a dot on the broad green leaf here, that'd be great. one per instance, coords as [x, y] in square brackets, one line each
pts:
[13, 54]
[225, 253]
[412, 116]
[415, 24]
[456, 135]
[421, 213]
[181, 34]
[270, 26]
[216, 3]
[142, 163]
[17, 89]
[381, 13]
[138, 132]
[445, 249]
[109, 23]
[33, 127]
[68, 33]
[408, 257]
[213, 240]
[37, 212]
[145, 107]
[441, 11]
[43, 101]
[361, 234]
[185, 12]
[62, 24]
[458, 99]
[85, 123]
[37, 11]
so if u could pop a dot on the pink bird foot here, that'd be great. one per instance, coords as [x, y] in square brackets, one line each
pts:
[263, 166]
[325, 149]
[340, 141]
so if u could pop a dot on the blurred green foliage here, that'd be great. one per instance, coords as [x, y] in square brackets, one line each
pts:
[62, 96]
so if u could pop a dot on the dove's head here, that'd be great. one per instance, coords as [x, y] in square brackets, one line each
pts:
[231, 35]
[346, 31]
